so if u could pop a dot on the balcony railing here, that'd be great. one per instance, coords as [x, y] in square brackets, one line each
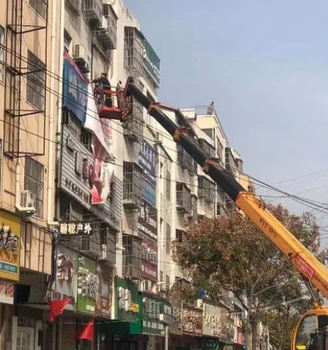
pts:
[133, 128]
[193, 215]
[93, 11]
[132, 257]
[183, 197]
[107, 33]
[207, 148]
[89, 245]
[132, 181]
[206, 189]
[186, 161]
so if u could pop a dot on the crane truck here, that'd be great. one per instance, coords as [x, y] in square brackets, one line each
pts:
[311, 330]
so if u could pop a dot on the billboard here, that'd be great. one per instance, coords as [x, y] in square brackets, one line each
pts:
[104, 301]
[75, 89]
[90, 180]
[151, 62]
[10, 230]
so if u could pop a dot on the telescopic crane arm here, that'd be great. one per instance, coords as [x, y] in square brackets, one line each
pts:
[295, 252]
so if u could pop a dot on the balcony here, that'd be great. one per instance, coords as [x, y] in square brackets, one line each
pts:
[89, 245]
[183, 198]
[107, 245]
[133, 127]
[186, 161]
[193, 215]
[93, 11]
[107, 33]
[206, 189]
[132, 257]
[133, 51]
[132, 181]
[207, 148]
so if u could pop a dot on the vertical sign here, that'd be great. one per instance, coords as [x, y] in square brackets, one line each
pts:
[147, 220]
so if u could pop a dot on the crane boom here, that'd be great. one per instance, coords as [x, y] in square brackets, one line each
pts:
[295, 252]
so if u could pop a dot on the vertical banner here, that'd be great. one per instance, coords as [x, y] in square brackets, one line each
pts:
[147, 220]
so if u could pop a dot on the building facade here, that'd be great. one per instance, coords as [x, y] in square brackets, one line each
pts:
[29, 37]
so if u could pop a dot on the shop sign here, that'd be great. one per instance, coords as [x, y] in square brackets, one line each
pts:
[192, 318]
[10, 228]
[126, 300]
[151, 62]
[104, 301]
[151, 311]
[7, 292]
[65, 285]
[75, 89]
[175, 313]
[211, 320]
[147, 220]
[75, 228]
[87, 285]
[149, 259]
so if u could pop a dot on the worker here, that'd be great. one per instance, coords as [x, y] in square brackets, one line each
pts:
[103, 80]
[210, 109]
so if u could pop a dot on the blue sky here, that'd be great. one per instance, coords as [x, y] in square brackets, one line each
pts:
[265, 64]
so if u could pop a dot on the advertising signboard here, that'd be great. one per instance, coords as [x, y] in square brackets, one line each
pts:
[75, 89]
[80, 178]
[65, 284]
[87, 286]
[126, 300]
[211, 320]
[151, 62]
[151, 311]
[149, 259]
[192, 320]
[104, 301]
[10, 228]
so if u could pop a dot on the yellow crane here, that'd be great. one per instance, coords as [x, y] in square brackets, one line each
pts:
[310, 331]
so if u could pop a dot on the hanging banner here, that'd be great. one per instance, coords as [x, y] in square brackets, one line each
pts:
[75, 89]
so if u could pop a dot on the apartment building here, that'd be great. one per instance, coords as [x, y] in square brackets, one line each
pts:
[28, 96]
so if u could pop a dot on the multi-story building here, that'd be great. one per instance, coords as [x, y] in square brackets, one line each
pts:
[89, 181]
[28, 103]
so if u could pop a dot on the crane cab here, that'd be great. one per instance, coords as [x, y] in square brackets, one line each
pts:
[311, 331]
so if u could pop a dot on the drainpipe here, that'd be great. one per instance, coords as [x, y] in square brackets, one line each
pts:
[52, 120]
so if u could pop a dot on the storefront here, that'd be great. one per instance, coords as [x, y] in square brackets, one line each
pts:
[64, 287]
[104, 302]
[10, 230]
[152, 325]
[125, 328]
[211, 327]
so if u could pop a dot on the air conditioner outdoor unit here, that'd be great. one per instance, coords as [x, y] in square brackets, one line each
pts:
[159, 138]
[80, 54]
[27, 203]
[103, 252]
[104, 22]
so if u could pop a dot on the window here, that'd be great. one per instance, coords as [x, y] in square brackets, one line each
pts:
[40, 7]
[36, 82]
[34, 180]
[308, 326]
[2, 54]
[168, 239]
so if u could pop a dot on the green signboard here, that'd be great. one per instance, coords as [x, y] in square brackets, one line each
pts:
[151, 311]
[87, 285]
[151, 62]
[126, 300]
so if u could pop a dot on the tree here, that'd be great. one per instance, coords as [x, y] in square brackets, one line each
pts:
[232, 254]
